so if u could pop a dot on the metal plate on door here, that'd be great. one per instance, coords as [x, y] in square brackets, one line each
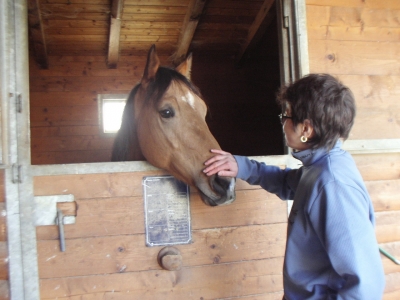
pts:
[167, 211]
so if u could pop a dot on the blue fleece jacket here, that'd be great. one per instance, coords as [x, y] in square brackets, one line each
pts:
[331, 248]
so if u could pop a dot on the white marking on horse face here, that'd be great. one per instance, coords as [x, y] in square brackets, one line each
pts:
[189, 98]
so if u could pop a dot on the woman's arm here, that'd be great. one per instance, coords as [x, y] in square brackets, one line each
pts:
[283, 183]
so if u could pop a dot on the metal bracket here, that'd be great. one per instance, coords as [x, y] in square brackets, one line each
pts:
[16, 173]
[46, 209]
[18, 103]
[46, 213]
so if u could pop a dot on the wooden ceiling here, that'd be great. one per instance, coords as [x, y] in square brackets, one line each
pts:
[114, 28]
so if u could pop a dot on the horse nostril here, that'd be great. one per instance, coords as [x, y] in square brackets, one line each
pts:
[222, 185]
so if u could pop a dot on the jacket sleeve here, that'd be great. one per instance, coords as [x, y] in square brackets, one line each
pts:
[282, 182]
[342, 216]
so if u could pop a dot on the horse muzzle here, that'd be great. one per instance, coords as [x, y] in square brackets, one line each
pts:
[222, 191]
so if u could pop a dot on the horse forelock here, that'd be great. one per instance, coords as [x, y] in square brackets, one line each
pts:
[163, 79]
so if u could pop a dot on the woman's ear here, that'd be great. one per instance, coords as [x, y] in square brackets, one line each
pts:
[308, 129]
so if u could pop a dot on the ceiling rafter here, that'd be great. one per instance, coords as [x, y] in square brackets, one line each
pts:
[36, 33]
[261, 22]
[114, 37]
[194, 12]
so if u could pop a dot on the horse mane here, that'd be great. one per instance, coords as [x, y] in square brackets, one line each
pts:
[127, 132]
[126, 146]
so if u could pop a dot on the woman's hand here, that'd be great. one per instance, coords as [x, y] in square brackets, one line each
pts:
[223, 164]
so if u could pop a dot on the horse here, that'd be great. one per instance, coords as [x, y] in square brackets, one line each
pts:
[163, 122]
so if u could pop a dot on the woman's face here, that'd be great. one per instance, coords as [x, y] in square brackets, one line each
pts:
[293, 133]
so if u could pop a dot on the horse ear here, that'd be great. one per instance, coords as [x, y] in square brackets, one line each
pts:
[185, 68]
[152, 65]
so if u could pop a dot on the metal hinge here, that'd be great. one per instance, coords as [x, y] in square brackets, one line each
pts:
[18, 103]
[16, 173]
[286, 22]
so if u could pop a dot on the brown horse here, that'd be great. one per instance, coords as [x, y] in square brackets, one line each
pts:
[164, 123]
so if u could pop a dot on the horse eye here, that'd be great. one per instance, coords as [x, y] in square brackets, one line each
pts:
[167, 113]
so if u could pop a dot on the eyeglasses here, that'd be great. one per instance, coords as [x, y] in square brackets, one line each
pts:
[283, 118]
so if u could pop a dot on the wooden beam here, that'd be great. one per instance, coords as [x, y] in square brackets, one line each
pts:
[37, 33]
[256, 30]
[195, 9]
[115, 30]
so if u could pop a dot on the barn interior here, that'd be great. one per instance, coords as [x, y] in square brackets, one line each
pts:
[82, 49]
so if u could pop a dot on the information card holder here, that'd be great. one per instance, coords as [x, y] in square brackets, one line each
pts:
[167, 211]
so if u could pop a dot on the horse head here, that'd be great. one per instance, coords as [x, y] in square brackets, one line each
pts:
[167, 120]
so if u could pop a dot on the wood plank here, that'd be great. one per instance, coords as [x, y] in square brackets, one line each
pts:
[125, 215]
[142, 48]
[70, 157]
[269, 296]
[73, 9]
[80, 49]
[354, 57]
[387, 226]
[378, 166]
[78, 15]
[360, 33]
[67, 115]
[160, 9]
[107, 185]
[37, 33]
[3, 261]
[152, 18]
[4, 290]
[193, 13]
[373, 4]
[128, 253]
[93, 186]
[368, 124]
[392, 288]
[126, 25]
[133, 70]
[81, 84]
[385, 194]
[54, 38]
[157, 2]
[115, 31]
[349, 17]
[3, 222]
[77, 31]
[58, 24]
[207, 282]
[64, 131]
[62, 99]
[373, 92]
[394, 249]
[71, 143]
[150, 32]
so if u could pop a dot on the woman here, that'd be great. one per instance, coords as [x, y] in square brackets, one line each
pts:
[331, 249]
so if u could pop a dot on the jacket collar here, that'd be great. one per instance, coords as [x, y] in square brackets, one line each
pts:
[310, 156]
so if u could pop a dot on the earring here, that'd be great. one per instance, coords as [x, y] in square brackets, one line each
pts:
[303, 139]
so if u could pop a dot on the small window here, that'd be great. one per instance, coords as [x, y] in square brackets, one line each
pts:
[111, 107]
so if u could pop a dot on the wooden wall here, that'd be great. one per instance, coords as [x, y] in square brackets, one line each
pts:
[359, 42]
[64, 112]
[237, 250]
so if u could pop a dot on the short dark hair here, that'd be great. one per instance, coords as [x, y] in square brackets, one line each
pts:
[326, 102]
